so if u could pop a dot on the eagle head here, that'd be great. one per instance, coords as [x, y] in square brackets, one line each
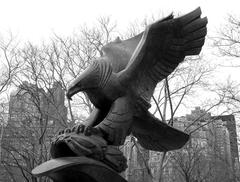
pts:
[87, 80]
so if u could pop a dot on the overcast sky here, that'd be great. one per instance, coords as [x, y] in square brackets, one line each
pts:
[36, 20]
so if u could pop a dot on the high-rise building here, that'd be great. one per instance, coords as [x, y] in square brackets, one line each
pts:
[137, 158]
[35, 115]
[217, 134]
[230, 124]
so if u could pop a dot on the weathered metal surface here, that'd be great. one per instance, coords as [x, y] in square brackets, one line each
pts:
[77, 169]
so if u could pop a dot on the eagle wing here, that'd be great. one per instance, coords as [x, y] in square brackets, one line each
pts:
[143, 61]
[163, 45]
[119, 52]
[152, 134]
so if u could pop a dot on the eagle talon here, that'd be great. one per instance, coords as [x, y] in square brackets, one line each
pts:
[80, 128]
[88, 131]
[74, 128]
[88, 141]
[67, 130]
[61, 132]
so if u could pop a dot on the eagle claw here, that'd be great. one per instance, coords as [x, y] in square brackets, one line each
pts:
[81, 128]
[84, 140]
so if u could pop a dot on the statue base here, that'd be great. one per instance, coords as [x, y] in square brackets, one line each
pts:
[76, 169]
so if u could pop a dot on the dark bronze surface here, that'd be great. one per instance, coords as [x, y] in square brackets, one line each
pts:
[90, 145]
[121, 83]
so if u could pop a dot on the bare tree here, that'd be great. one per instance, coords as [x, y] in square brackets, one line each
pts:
[36, 114]
[176, 91]
[10, 64]
[228, 40]
[9, 67]
[191, 164]
[230, 92]
[72, 55]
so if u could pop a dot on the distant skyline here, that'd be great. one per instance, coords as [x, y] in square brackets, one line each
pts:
[37, 20]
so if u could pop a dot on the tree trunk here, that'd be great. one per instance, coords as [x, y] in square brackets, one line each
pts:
[150, 179]
[161, 167]
[129, 159]
[70, 111]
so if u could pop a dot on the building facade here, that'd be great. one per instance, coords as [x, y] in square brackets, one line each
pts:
[230, 124]
[35, 116]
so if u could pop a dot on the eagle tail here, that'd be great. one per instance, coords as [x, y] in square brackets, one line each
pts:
[153, 134]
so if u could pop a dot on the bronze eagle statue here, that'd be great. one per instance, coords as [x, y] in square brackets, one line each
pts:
[121, 82]
[120, 85]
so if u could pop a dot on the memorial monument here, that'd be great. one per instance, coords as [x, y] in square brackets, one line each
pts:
[120, 85]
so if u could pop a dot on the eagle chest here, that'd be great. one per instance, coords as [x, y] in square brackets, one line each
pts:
[98, 99]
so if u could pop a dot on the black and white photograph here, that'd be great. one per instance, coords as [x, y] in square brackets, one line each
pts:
[119, 91]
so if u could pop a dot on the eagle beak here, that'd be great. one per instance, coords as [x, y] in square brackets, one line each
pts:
[83, 82]
[72, 90]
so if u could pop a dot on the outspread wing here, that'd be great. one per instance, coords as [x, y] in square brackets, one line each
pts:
[119, 52]
[163, 46]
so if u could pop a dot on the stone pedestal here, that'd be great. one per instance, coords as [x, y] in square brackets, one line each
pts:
[77, 169]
